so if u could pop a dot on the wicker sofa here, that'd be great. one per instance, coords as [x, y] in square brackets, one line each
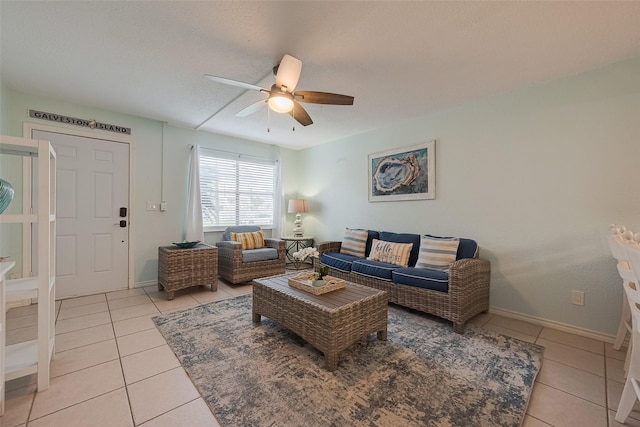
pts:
[238, 266]
[456, 295]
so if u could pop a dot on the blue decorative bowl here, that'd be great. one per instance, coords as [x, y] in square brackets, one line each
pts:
[6, 194]
[185, 245]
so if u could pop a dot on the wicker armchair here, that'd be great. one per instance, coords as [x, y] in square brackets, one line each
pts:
[237, 266]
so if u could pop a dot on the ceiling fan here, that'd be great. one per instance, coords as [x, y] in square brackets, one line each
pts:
[282, 98]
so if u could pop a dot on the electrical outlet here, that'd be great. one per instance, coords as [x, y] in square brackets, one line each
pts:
[13, 276]
[577, 297]
[163, 206]
[152, 206]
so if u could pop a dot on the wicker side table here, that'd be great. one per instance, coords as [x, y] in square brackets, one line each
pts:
[182, 268]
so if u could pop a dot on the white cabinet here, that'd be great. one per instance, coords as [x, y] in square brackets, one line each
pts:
[34, 356]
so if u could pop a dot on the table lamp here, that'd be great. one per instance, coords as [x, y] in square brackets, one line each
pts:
[297, 206]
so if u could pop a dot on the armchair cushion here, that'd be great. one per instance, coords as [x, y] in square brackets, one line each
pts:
[261, 254]
[226, 236]
[249, 240]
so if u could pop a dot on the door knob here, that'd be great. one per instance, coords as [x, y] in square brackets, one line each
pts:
[121, 224]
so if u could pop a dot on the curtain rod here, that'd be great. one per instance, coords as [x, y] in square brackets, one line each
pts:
[230, 152]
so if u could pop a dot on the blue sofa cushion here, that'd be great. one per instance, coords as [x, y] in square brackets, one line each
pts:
[466, 249]
[404, 238]
[372, 235]
[377, 269]
[422, 278]
[338, 261]
[262, 254]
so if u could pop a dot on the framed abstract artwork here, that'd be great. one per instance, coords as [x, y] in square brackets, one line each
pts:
[407, 173]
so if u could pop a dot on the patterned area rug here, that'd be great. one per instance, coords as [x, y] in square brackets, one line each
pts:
[424, 375]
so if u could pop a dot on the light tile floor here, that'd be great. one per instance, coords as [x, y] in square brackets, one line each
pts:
[113, 368]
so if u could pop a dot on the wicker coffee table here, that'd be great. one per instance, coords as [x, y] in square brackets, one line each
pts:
[330, 322]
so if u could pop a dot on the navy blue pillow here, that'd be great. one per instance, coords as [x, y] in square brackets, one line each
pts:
[372, 235]
[404, 238]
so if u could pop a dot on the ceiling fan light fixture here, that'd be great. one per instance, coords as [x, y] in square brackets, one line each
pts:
[281, 102]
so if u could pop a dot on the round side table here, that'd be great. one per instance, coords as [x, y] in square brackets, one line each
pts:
[294, 244]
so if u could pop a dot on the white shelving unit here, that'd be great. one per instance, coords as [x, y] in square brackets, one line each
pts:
[31, 357]
[4, 269]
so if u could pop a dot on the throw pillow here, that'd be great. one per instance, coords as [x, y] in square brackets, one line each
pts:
[354, 242]
[253, 240]
[391, 253]
[437, 253]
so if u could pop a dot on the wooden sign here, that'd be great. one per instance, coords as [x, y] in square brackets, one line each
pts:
[79, 122]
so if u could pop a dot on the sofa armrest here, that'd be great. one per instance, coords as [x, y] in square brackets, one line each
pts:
[229, 245]
[229, 254]
[278, 244]
[270, 242]
[328, 246]
[469, 281]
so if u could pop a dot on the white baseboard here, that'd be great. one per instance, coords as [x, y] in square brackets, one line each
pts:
[145, 283]
[553, 325]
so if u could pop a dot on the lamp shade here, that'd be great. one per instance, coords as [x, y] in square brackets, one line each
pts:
[298, 206]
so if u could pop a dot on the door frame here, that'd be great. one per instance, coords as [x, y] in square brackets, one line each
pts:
[28, 128]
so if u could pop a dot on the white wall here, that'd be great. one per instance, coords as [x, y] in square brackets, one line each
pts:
[160, 169]
[535, 176]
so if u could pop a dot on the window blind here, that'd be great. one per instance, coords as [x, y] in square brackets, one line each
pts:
[236, 190]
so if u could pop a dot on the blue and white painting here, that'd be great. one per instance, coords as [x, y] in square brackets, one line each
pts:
[403, 174]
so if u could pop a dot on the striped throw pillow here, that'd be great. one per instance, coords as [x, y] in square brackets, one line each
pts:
[437, 254]
[390, 252]
[253, 240]
[354, 242]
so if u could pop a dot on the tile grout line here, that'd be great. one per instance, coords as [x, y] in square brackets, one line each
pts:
[606, 387]
[124, 380]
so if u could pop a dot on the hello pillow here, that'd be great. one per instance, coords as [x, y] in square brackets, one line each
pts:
[390, 252]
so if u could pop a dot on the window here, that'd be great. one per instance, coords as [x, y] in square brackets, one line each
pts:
[236, 190]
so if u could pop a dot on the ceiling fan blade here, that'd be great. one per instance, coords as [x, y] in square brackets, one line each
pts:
[300, 114]
[323, 98]
[251, 108]
[234, 83]
[288, 72]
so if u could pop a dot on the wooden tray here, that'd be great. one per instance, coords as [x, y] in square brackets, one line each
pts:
[306, 285]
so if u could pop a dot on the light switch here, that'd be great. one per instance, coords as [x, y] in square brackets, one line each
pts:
[152, 206]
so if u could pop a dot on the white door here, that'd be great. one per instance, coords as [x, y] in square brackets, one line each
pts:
[92, 194]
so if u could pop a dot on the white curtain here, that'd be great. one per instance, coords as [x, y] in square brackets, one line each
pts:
[194, 229]
[278, 219]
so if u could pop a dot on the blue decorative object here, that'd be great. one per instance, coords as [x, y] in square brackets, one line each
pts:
[186, 245]
[6, 194]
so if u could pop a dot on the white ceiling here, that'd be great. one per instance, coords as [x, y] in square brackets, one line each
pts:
[398, 59]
